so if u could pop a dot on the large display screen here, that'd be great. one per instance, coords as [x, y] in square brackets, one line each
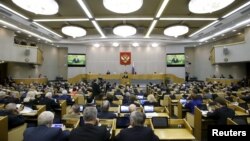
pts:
[175, 60]
[76, 60]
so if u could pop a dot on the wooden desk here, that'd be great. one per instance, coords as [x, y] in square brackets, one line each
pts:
[224, 81]
[174, 134]
[4, 128]
[150, 115]
[240, 113]
[1, 106]
[31, 80]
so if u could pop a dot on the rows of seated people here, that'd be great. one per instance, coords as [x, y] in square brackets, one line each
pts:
[131, 95]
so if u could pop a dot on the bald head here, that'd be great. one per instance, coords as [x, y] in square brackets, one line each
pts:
[132, 107]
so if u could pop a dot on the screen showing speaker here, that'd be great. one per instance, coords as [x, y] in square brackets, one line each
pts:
[76, 60]
[175, 60]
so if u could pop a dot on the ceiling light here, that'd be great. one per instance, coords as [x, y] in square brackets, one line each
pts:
[125, 19]
[234, 30]
[124, 30]
[151, 28]
[61, 20]
[4, 26]
[176, 30]
[135, 44]
[155, 45]
[248, 25]
[187, 19]
[13, 11]
[74, 31]
[18, 31]
[123, 6]
[98, 28]
[42, 7]
[115, 44]
[96, 45]
[239, 33]
[207, 6]
[84, 8]
[163, 5]
[207, 26]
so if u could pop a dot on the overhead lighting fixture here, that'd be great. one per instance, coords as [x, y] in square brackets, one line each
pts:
[155, 45]
[4, 26]
[13, 11]
[237, 9]
[41, 7]
[176, 30]
[125, 19]
[123, 6]
[150, 28]
[98, 29]
[207, 6]
[187, 19]
[239, 33]
[163, 6]
[47, 29]
[96, 45]
[135, 44]
[85, 9]
[115, 44]
[248, 25]
[61, 20]
[124, 30]
[74, 31]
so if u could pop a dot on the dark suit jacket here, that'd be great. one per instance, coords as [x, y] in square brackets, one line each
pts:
[51, 105]
[13, 119]
[221, 115]
[44, 133]
[137, 133]
[89, 132]
[106, 115]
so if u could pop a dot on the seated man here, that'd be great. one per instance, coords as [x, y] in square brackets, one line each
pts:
[14, 118]
[44, 131]
[221, 114]
[105, 114]
[50, 103]
[136, 131]
[132, 108]
[73, 113]
[90, 131]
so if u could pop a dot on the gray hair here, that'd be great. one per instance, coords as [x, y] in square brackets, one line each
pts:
[137, 118]
[48, 94]
[105, 106]
[90, 114]
[46, 118]
[10, 107]
[132, 107]
[75, 108]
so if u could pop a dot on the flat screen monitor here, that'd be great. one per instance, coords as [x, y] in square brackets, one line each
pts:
[148, 108]
[124, 109]
[160, 122]
[76, 60]
[175, 60]
[139, 97]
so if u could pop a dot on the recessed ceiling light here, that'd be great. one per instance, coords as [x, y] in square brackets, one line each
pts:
[155, 44]
[135, 44]
[123, 6]
[239, 33]
[124, 30]
[74, 31]
[222, 34]
[4, 26]
[96, 45]
[42, 7]
[176, 30]
[18, 31]
[248, 24]
[208, 6]
[234, 30]
[115, 44]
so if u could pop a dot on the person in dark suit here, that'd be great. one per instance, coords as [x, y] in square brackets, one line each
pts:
[221, 114]
[175, 59]
[195, 101]
[14, 118]
[90, 131]
[105, 114]
[44, 131]
[50, 103]
[136, 131]
[96, 89]
[66, 97]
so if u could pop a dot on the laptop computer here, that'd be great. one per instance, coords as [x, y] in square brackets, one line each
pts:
[124, 109]
[139, 97]
[160, 122]
[122, 122]
[148, 108]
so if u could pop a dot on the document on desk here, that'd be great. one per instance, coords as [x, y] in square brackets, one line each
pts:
[148, 115]
[204, 113]
[26, 110]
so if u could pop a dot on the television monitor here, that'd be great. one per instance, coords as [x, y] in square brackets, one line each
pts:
[176, 60]
[139, 97]
[76, 60]
[160, 122]
[148, 108]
